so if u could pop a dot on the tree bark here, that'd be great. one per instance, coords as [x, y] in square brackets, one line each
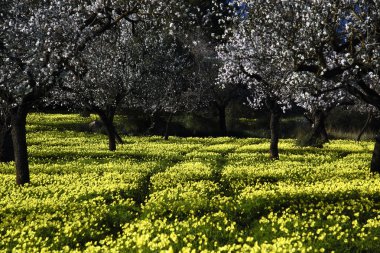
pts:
[107, 119]
[118, 137]
[319, 134]
[18, 122]
[222, 119]
[154, 123]
[6, 145]
[274, 135]
[320, 126]
[375, 163]
[166, 134]
[366, 124]
[275, 115]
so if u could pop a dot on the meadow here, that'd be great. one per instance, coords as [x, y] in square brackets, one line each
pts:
[186, 195]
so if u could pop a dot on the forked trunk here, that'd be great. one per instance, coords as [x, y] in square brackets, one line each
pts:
[18, 121]
[375, 163]
[110, 129]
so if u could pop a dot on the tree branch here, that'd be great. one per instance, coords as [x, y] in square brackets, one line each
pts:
[255, 76]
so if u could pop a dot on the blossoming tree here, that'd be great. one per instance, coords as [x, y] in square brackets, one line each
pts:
[38, 40]
[248, 60]
[337, 42]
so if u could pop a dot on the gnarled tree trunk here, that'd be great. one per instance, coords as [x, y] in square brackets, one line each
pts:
[18, 122]
[319, 134]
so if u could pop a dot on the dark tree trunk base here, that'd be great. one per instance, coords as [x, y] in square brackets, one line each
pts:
[111, 136]
[275, 132]
[319, 134]
[275, 115]
[18, 121]
[107, 119]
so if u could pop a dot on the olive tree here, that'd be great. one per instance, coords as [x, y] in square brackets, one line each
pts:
[166, 86]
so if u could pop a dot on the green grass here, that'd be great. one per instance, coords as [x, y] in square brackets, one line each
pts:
[186, 194]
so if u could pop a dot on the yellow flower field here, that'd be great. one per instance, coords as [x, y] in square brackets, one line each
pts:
[187, 195]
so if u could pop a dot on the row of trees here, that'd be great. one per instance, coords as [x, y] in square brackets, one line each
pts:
[98, 55]
[169, 56]
[319, 55]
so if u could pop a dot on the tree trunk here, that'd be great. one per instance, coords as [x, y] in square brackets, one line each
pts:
[110, 128]
[324, 135]
[275, 115]
[366, 124]
[118, 137]
[375, 163]
[222, 119]
[154, 123]
[166, 134]
[18, 122]
[6, 145]
[319, 133]
[274, 134]
[320, 127]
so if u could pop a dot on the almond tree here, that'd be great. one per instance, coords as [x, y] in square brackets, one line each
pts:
[209, 29]
[340, 43]
[207, 67]
[102, 78]
[38, 40]
[249, 61]
[315, 97]
[35, 43]
[167, 70]
[337, 42]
